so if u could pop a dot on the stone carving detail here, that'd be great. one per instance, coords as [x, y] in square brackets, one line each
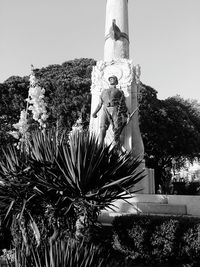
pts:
[123, 69]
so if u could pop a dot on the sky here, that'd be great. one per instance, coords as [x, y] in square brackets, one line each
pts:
[164, 39]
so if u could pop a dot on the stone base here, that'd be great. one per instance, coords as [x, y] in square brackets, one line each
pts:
[106, 218]
[154, 205]
[157, 208]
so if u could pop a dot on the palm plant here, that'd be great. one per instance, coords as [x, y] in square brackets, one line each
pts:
[74, 180]
[87, 176]
[22, 205]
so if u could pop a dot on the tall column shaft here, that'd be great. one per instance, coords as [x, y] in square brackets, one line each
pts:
[116, 30]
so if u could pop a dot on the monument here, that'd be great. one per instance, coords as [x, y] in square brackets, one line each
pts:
[117, 63]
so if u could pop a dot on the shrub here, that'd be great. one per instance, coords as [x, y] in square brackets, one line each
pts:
[164, 241]
[131, 239]
[158, 239]
[191, 240]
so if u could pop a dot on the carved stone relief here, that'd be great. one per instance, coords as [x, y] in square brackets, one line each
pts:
[123, 69]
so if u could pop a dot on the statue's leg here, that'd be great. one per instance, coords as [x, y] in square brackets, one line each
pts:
[117, 130]
[104, 124]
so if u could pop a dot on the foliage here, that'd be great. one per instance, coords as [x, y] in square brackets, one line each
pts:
[192, 188]
[164, 241]
[191, 241]
[67, 89]
[67, 94]
[170, 130]
[13, 93]
[62, 184]
[62, 253]
[171, 127]
[71, 253]
[157, 239]
[98, 251]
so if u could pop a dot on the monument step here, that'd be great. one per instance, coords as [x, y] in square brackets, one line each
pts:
[124, 206]
[160, 208]
[106, 217]
[148, 198]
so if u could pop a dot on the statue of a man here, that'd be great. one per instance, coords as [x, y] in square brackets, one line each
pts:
[115, 111]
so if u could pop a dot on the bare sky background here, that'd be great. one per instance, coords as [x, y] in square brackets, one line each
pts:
[164, 39]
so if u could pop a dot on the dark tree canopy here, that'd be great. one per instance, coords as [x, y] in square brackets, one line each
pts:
[13, 93]
[170, 129]
[67, 92]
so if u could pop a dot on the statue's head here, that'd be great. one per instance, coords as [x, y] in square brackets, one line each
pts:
[113, 80]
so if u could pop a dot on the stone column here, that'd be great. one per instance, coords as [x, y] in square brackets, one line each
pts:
[116, 30]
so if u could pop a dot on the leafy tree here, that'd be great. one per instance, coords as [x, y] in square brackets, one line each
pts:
[67, 93]
[170, 130]
[13, 93]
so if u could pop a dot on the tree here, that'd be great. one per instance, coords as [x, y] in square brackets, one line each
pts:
[170, 129]
[67, 93]
[13, 93]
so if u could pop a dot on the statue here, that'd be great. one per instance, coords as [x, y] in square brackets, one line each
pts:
[115, 112]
